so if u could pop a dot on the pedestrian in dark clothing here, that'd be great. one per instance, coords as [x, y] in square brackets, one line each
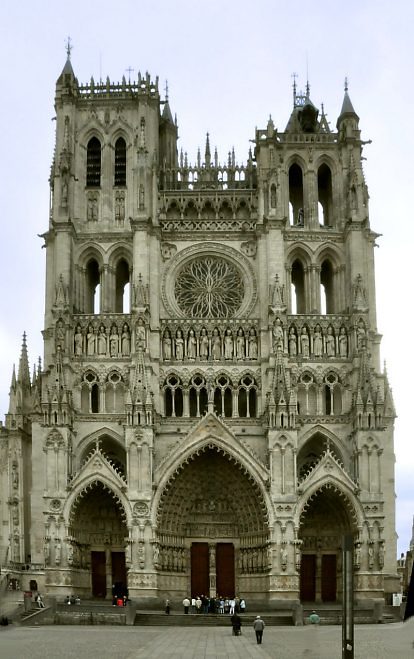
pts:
[167, 607]
[236, 624]
[258, 627]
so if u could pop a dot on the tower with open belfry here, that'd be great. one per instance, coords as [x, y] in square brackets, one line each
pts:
[210, 415]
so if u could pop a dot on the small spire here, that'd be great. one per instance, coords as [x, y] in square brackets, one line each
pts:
[13, 380]
[166, 91]
[294, 76]
[23, 375]
[207, 154]
[346, 84]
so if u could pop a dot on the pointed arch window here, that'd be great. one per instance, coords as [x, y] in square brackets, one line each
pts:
[122, 288]
[325, 205]
[120, 162]
[93, 163]
[327, 288]
[298, 288]
[92, 288]
[296, 213]
[173, 396]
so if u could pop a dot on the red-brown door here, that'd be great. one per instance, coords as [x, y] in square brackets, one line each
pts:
[200, 573]
[225, 585]
[98, 565]
[328, 578]
[308, 578]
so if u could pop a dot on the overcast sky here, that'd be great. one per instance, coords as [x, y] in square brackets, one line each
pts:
[229, 66]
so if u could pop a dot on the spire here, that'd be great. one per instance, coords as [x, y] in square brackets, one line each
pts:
[67, 76]
[207, 155]
[347, 110]
[23, 376]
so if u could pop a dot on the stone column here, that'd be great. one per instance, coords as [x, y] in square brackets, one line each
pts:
[212, 569]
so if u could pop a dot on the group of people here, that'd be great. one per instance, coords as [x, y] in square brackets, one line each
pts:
[204, 604]
[71, 599]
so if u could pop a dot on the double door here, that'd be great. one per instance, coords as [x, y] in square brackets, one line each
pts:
[212, 569]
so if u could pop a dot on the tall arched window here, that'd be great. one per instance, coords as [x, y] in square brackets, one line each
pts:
[120, 162]
[173, 396]
[247, 398]
[223, 397]
[92, 288]
[122, 283]
[325, 205]
[198, 397]
[298, 288]
[296, 195]
[90, 393]
[93, 163]
[327, 288]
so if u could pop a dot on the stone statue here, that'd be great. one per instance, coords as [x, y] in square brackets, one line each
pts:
[191, 345]
[58, 552]
[60, 335]
[277, 335]
[228, 344]
[293, 345]
[216, 345]
[283, 558]
[78, 341]
[317, 341]
[90, 341]
[114, 342]
[125, 341]
[203, 352]
[140, 335]
[330, 342]
[179, 345]
[102, 341]
[343, 342]
[253, 349]
[361, 335]
[304, 343]
[167, 345]
[240, 345]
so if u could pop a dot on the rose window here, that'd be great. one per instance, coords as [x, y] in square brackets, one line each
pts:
[209, 288]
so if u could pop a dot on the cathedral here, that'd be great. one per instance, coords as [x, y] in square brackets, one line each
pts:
[210, 415]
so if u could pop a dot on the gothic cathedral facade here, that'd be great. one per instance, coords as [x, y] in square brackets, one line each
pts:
[211, 415]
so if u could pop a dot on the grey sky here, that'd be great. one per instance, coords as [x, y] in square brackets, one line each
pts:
[228, 67]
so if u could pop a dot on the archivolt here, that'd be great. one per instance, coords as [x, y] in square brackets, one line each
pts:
[88, 489]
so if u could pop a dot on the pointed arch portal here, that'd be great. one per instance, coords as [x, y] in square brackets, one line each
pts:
[215, 510]
[327, 516]
[97, 532]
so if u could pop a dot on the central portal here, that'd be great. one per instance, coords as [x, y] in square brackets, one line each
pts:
[212, 569]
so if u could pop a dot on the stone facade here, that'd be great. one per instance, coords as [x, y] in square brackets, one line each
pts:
[211, 415]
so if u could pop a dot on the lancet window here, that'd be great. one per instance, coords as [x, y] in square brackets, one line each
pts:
[325, 205]
[93, 163]
[90, 393]
[198, 396]
[327, 288]
[223, 396]
[120, 162]
[298, 301]
[122, 287]
[296, 212]
[173, 393]
[247, 397]
[114, 394]
[92, 288]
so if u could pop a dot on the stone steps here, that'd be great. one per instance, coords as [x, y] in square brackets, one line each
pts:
[208, 620]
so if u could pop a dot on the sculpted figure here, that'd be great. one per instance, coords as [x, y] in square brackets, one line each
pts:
[240, 344]
[317, 342]
[293, 346]
[179, 345]
[304, 342]
[361, 341]
[343, 342]
[114, 342]
[102, 341]
[125, 341]
[330, 342]
[167, 345]
[253, 350]
[90, 341]
[277, 335]
[216, 345]
[78, 341]
[228, 344]
[140, 334]
[191, 345]
[203, 344]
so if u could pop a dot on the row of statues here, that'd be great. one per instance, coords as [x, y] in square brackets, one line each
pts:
[214, 346]
[316, 341]
[102, 341]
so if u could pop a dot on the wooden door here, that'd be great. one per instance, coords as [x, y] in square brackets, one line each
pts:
[225, 582]
[200, 573]
[328, 578]
[308, 578]
[98, 565]
[119, 578]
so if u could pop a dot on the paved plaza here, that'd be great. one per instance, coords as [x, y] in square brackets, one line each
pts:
[61, 642]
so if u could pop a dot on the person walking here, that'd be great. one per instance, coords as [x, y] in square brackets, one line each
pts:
[236, 623]
[258, 627]
[167, 607]
[186, 604]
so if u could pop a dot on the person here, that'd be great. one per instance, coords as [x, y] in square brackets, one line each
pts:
[198, 604]
[258, 627]
[167, 607]
[236, 624]
[186, 604]
[242, 605]
[39, 601]
[314, 619]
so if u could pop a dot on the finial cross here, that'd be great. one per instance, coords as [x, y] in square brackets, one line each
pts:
[69, 47]
[129, 70]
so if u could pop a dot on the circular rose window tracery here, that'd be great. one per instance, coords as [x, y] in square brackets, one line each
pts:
[209, 287]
